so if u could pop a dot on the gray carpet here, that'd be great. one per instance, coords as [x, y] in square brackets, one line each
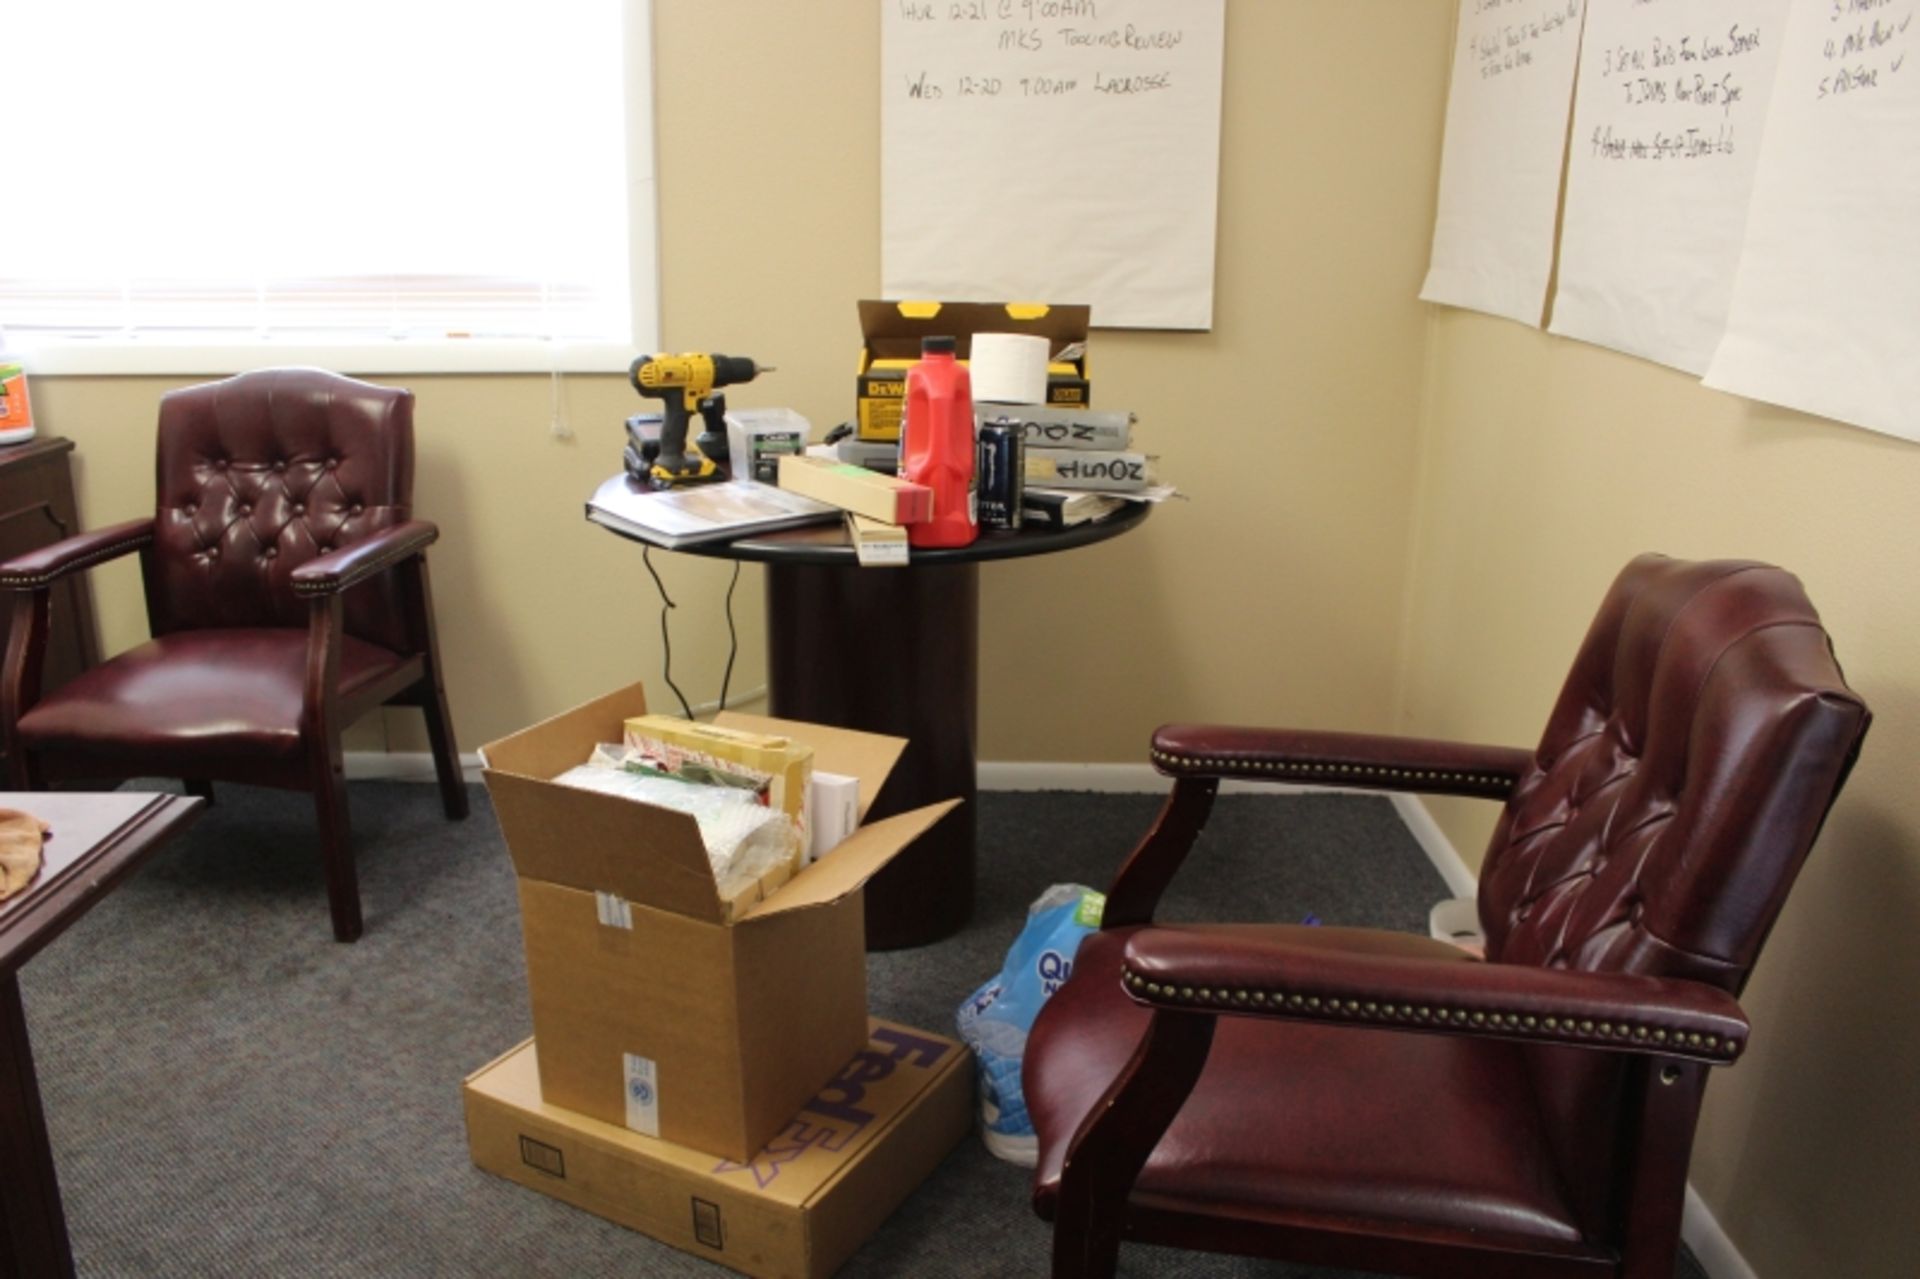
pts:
[232, 1093]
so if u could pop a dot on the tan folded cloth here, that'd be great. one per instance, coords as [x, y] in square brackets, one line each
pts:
[21, 835]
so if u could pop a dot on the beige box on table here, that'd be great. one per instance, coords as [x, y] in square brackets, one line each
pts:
[798, 1208]
[886, 498]
[658, 1005]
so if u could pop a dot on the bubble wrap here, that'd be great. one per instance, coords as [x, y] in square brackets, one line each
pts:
[744, 839]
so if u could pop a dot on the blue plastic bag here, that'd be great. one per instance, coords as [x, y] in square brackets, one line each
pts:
[994, 1021]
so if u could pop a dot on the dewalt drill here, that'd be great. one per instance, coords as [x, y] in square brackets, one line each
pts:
[684, 385]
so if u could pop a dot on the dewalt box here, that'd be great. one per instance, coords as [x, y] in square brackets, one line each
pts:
[891, 333]
[797, 1209]
[657, 1003]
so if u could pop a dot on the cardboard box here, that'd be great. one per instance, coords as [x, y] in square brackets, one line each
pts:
[855, 488]
[799, 1207]
[659, 1005]
[890, 342]
[877, 544]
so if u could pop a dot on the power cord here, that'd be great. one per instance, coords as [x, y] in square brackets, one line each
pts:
[666, 637]
[733, 637]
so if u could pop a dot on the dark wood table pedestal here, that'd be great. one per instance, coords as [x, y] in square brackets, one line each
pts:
[896, 652]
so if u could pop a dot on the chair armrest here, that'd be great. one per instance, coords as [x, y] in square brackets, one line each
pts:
[1339, 759]
[348, 566]
[48, 564]
[1283, 971]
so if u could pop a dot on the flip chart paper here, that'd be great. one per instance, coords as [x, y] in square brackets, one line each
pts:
[1825, 315]
[1507, 110]
[1053, 151]
[1667, 122]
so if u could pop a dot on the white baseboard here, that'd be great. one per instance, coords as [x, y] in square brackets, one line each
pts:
[1112, 779]
[402, 766]
[1711, 1247]
[1698, 1227]
[417, 766]
[1461, 881]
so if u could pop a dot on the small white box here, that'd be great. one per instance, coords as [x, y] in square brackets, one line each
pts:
[836, 811]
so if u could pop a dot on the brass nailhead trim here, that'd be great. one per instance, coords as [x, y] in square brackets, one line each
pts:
[1314, 768]
[1526, 1025]
[27, 581]
[327, 586]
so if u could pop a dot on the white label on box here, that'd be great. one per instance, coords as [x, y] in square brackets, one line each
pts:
[871, 554]
[613, 910]
[643, 1095]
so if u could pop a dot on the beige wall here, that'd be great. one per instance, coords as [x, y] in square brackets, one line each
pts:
[1438, 503]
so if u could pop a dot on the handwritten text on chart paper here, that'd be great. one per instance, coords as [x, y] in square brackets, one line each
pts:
[1021, 32]
[1505, 43]
[1690, 82]
[1866, 45]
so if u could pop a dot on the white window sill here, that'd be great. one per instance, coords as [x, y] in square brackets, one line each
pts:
[140, 359]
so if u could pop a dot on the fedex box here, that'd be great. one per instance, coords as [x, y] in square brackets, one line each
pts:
[796, 1210]
[658, 1005]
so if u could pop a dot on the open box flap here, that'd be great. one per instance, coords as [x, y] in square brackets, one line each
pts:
[605, 843]
[893, 329]
[868, 756]
[554, 745]
[850, 865]
[588, 840]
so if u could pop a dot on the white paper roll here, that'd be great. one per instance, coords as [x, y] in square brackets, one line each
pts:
[1009, 368]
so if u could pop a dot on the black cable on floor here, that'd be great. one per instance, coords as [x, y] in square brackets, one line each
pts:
[666, 640]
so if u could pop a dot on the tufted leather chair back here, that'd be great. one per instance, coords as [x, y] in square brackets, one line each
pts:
[1696, 746]
[260, 473]
[1698, 742]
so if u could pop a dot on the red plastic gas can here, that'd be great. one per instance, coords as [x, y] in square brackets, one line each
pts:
[936, 445]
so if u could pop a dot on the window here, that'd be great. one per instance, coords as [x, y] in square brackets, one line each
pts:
[204, 186]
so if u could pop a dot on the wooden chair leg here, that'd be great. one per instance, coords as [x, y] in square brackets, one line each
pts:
[446, 754]
[1670, 1094]
[430, 694]
[336, 850]
[1116, 1138]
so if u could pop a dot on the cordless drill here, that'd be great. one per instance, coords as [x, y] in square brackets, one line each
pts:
[684, 385]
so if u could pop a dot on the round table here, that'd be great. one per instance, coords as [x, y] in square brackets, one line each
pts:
[896, 651]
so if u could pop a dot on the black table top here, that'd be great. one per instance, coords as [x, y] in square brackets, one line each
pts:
[828, 544]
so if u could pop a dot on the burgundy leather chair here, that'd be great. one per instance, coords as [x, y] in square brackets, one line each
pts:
[286, 586]
[1347, 1097]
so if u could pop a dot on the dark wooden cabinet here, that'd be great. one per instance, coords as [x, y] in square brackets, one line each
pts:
[37, 508]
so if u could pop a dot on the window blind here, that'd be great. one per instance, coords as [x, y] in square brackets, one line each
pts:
[409, 172]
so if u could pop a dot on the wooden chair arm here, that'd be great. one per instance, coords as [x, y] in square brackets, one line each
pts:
[41, 568]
